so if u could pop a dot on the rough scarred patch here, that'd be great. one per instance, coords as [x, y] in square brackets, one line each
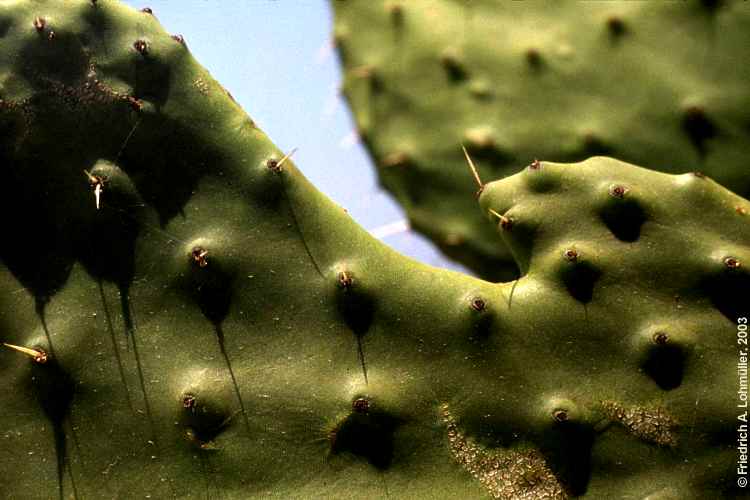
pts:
[653, 425]
[512, 474]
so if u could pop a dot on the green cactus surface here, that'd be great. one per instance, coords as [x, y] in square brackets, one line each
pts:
[185, 316]
[658, 84]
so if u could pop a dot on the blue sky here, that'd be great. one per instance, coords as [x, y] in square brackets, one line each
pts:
[276, 58]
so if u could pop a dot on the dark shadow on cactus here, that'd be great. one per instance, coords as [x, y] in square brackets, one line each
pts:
[729, 291]
[491, 154]
[106, 245]
[36, 248]
[235, 385]
[579, 279]
[90, 121]
[125, 309]
[482, 328]
[595, 146]
[166, 178]
[711, 5]
[131, 334]
[152, 79]
[54, 389]
[366, 435]
[624, 218]
[665, 364]
[454, 70]
[567, 450]
[492, 268]
[357, 308]
[60, 223]
[5, 25]
[64, 62]
[699, 128]
[115, 347]
[211, 288]
[35, 251]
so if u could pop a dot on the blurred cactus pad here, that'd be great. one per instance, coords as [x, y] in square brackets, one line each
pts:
[185, 316]
[659, 84]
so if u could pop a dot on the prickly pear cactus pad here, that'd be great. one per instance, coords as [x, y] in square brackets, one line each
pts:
[659, 84]
[184, 316]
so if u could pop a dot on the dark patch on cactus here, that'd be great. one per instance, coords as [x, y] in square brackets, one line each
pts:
[152, 76]
[397, 13]
[534, 59]
[42, 271]
[113, 339]
[371, 76]
[488, 151]
[62, 63]
[711, 5]
[616, 27]
[5, 25]
[55, 390]
[623, 215]
[699, 128]
[593, 145]
[665, 362]
[367, 434]
[454, 66]
[539, 180]
[519, 229]
[154, 172]
[108, 250]
[356, 306]
[566, 446]
[579, 278]
[42, 255]
[209, 284]
[492, 153]
[106, 247]
[729, 288]
[482, 319]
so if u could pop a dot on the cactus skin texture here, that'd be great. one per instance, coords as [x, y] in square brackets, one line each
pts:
[657, 84]
[219, 328]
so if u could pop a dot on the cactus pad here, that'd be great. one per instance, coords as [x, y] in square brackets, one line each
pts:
[658, 84]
